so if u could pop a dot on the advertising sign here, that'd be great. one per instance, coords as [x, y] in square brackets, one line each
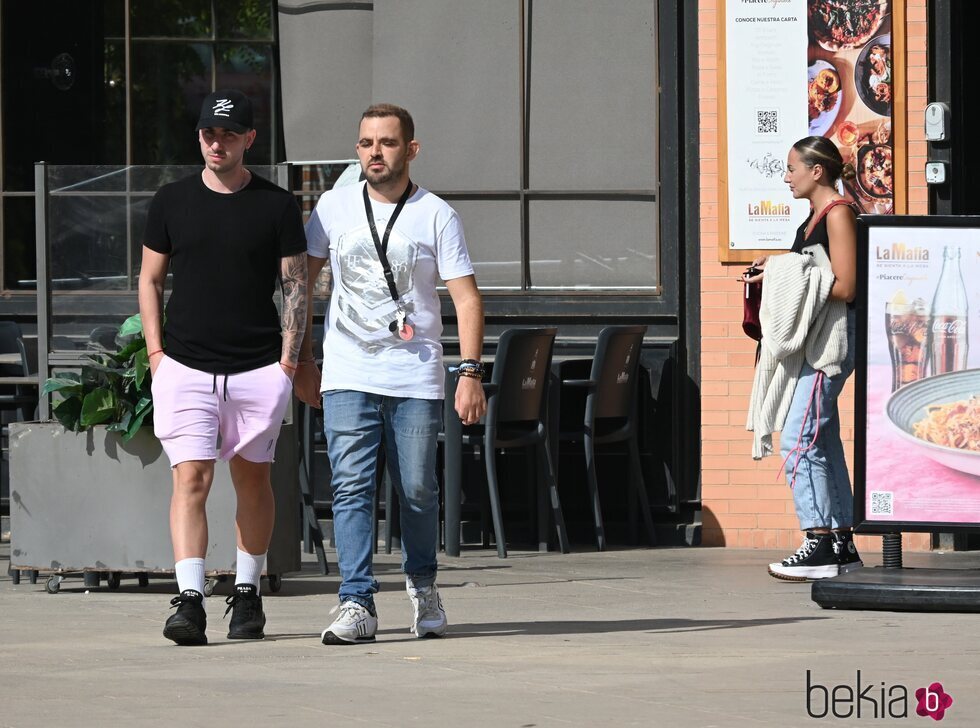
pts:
[766, 49]
[917, 424]
[796, 68]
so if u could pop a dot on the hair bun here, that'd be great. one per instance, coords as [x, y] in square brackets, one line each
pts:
[847, 171]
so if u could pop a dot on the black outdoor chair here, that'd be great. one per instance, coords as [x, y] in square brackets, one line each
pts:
[609, 415]
[21, 398]
[517, 416]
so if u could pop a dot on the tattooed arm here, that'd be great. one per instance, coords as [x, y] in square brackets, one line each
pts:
[307, 381]
[295, 302]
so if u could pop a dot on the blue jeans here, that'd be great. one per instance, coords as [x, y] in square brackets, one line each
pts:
[822, 488]
[355, 423]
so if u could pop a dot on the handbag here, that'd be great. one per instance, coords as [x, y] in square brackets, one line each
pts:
[750, 310]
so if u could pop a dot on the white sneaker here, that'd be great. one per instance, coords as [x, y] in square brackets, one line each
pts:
[814, 559]
[430, 618]
[354, 624]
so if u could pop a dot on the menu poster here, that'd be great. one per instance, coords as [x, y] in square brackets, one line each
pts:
[850, 92]
[766, 74]
[917, 455]
[797, 68]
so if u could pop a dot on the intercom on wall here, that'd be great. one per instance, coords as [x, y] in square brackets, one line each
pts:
[937, 122]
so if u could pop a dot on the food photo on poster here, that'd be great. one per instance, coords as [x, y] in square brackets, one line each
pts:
[921, 436]
[824, 97]
[850, 93]
[842, 24]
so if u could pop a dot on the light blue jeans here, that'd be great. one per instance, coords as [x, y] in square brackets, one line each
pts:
[822, 487]
[355, 423]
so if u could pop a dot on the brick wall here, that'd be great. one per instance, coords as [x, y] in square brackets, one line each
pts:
[747, 503]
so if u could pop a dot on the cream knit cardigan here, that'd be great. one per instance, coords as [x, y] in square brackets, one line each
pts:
[799, 322]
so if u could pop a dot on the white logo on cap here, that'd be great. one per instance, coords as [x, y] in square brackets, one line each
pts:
[223, 107]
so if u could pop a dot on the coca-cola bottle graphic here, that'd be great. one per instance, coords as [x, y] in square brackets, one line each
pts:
[949, 340]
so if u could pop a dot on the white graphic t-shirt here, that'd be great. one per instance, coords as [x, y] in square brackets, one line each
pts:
[361, 352]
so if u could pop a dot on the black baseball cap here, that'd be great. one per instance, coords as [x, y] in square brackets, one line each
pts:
[228, 109]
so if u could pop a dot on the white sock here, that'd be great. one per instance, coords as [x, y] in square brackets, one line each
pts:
[190, 574]
[248, 569]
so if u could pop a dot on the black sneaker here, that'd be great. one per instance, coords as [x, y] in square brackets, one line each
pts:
[247, 617]
[814, 559]
[186, 626]
[847, 553]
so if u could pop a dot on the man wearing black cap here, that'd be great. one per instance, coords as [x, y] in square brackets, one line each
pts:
[223, 362]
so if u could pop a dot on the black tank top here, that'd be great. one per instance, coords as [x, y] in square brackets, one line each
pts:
[819, 233]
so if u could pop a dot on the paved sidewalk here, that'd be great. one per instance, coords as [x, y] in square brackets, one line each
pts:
[661, 637]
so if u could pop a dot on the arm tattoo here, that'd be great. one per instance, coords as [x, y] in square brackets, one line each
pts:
[294, 303]
[324, 281]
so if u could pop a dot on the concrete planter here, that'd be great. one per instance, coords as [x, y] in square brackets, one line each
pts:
[90, 502]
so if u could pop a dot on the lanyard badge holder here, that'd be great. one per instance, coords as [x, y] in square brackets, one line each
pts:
[400, 324]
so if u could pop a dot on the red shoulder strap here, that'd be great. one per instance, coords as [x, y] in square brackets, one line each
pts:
[828, 208]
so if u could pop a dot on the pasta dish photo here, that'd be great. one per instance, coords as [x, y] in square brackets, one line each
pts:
[955, 425]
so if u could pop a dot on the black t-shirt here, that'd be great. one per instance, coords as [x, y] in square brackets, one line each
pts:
[225, 252]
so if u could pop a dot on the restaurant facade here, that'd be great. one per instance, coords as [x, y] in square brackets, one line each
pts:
[753, 60]
[613, 162]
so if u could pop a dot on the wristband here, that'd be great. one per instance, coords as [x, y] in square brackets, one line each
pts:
[158, 351]
[470, 365]
[288, 366]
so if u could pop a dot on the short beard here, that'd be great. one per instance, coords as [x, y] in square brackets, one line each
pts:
[379, 178]
[376, 179]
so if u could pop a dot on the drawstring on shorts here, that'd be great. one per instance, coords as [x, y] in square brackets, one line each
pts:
[214, 386]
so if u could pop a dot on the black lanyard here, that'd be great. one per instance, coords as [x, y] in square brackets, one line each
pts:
[381, 244]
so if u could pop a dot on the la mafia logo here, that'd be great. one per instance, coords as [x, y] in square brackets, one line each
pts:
[875, 699]
[769, 210]
[901, 251]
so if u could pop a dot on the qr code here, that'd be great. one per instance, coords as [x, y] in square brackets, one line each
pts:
[881, 503]
[766, 121]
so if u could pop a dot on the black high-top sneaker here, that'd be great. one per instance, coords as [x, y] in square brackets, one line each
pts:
[247, 617]
[186, 626]
[847, 554]
[814, 559]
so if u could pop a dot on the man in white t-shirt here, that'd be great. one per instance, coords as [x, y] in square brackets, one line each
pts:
[389, 242]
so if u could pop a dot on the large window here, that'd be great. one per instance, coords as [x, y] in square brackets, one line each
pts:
[537, 118]
[117, 82]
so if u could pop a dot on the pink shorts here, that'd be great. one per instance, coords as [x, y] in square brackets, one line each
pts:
[192, 408]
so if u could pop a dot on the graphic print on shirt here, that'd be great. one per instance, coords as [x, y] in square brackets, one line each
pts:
[365, 309]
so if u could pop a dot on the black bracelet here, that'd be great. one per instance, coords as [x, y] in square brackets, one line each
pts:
[471, 365]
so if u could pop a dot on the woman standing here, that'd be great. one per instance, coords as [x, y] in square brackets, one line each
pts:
[810, 442]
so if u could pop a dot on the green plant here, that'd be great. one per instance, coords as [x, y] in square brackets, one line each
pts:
[112, 389]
